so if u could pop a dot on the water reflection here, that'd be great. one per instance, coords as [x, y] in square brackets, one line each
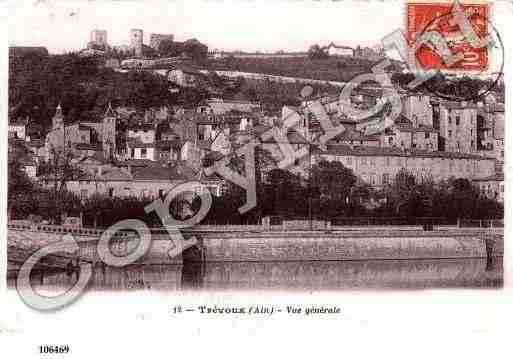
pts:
[390, 274]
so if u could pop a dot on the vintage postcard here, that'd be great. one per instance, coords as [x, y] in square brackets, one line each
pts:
[185, 176]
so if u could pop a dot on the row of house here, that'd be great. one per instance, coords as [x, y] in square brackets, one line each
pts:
[432, 137]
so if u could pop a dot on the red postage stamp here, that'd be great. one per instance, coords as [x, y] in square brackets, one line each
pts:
[439, 17]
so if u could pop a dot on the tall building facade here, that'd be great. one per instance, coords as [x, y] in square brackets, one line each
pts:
[419, 110]
[136, 41]
[156, 39]
[458, 127]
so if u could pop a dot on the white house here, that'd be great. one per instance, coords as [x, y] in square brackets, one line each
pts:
[18, 129]
[336, 50]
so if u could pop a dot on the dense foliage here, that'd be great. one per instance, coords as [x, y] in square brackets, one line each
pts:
[191, 48]
[453, 88]
[38, 84]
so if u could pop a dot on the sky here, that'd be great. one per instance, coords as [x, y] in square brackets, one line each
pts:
[248, 25]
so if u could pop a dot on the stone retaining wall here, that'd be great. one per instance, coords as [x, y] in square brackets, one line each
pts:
[293, 246]
[310, 248]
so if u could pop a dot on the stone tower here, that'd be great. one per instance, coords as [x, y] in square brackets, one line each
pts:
[136, 41]
[109, 133]
[99, 37]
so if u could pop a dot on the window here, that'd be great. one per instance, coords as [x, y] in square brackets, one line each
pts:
[83, 193]
[349, 160]
[161, 193]
[387, 161]
[449, 133]
[364, 160]
[457, 120]
[111, 191]
[399, 162]
[426, 135]
[414, 145]
[373, 180]
[143, 152]
[132, 152]
[372, 161]
[83, 137]
[386, 178]
[449, 119]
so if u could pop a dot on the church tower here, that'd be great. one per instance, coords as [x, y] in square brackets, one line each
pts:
[58, 118]
[109, 133]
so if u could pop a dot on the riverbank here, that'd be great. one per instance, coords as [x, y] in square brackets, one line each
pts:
[376, 243]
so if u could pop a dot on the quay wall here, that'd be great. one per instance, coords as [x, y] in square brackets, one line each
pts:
[332, 247]
[22, 243]
[250, 246]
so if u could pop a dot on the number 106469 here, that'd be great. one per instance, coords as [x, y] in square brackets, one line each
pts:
[54, 349]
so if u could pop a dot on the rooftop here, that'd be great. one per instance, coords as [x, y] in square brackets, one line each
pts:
[137, 143]
[89, 146]
[495, 177]
[395, 152]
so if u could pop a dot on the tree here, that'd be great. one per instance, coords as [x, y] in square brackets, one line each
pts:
[195, 49]
[58, 170]
[283, 191]
[169, 48]
[333, 182]
[402, 191]
[20, 188]
[463, 198]
[315, 52]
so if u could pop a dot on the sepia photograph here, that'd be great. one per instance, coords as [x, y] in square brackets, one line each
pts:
[190, 148]
[171, 164]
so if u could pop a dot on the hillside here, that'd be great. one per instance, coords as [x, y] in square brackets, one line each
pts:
[330, 69]
[84, 89]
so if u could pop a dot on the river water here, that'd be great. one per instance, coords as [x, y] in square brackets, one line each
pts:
[296, 276]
